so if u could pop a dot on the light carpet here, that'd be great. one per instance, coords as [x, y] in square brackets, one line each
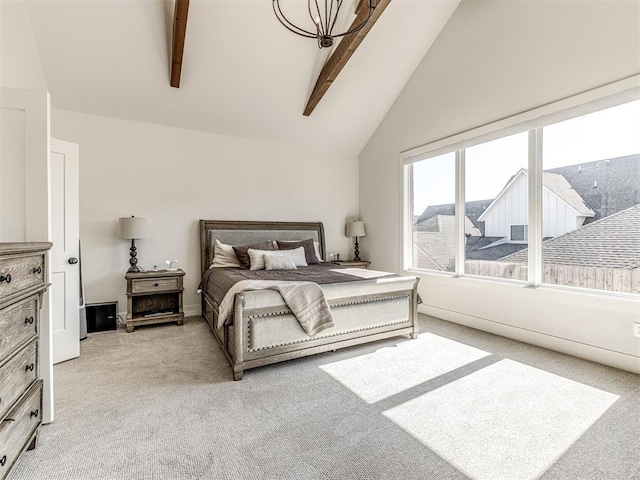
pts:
[160, 403]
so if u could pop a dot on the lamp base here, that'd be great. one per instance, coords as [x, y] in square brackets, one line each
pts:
[356, 256]
[133, 261]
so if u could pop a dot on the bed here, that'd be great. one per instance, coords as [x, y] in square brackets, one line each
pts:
[262, 330]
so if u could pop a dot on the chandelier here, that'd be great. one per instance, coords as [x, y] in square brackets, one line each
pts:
[323, 14]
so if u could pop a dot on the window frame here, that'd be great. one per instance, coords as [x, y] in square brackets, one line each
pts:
[532, 121]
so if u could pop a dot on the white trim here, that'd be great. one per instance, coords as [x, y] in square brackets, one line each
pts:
[460, 215]
[406, 216]
[615, 93]
[582, 350]
[535, 199]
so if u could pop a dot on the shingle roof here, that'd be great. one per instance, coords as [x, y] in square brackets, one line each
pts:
[563, 189]
[606, 186]
[613, 241]
[436, 237]
[478, 248]
[472, 210]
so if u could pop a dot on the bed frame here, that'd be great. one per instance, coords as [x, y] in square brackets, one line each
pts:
[264, 331]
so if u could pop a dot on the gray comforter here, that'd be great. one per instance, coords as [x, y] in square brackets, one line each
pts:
[218, 281]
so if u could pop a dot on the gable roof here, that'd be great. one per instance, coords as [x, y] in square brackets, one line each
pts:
[613, 241]
[554, 182]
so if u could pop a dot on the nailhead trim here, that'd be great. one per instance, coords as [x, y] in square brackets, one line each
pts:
[251, 317]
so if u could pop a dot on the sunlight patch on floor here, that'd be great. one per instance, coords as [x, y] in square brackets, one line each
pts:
[508, 421]
[391, 370]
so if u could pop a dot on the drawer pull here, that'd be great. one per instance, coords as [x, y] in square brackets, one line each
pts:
[5, 278]
[3, 460]
[37, 269]
[34, 413]
[31, 366]
[28, 321]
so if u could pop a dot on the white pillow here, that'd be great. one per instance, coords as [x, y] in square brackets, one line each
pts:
[224, 256]
[316, 247]
[278, 262]
[256, 257]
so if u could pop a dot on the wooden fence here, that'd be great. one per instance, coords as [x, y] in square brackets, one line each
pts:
[599, 278]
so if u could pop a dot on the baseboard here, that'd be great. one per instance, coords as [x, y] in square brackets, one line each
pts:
[193, 310]
[588, 352]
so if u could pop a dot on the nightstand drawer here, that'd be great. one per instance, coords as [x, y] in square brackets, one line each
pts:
[154, 284]
[20, 425]
[18, 323]
[21, 272]
[16, 375]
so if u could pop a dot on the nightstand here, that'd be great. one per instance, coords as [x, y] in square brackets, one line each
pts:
[154, 297]
[354, 263]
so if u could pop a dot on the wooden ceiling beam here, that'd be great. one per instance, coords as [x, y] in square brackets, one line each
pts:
[344, 51]
[179, 34]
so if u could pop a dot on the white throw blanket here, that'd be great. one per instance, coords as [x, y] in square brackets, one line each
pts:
[305, 300]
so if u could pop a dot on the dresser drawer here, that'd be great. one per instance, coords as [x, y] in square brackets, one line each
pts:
[18, 323]
[155, 284]
[21, 272]
[16, 374]
[19, 426]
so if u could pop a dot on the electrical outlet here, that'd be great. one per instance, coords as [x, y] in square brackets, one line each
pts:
[636, 329]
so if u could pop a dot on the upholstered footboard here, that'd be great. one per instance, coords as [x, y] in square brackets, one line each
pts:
[264, 331]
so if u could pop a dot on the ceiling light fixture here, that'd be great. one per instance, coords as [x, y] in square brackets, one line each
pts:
[323, 14]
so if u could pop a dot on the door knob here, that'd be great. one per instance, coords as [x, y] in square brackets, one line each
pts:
[73, 260]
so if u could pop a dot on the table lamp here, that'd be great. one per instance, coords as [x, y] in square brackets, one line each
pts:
[133, 228]
[355, 230]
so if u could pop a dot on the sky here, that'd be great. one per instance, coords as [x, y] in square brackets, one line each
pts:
[609, 133]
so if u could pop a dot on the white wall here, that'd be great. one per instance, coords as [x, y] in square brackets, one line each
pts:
[494, 60]
[20, 61]
[175, 177]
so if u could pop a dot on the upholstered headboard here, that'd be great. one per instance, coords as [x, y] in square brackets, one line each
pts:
[246, 233]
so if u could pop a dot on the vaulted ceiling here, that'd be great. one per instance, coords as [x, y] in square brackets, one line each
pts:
[243, 74]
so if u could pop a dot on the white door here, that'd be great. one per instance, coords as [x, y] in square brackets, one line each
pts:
[65, 231]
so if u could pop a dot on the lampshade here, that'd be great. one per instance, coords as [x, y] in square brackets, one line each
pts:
[132, 228]
[355, 229]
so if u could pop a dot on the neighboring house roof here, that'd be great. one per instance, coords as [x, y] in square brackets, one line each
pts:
[481, 248]
[563, 189]
[473, 210]
[613, 241]
[436, 237]
[607, 186]
[557, 184]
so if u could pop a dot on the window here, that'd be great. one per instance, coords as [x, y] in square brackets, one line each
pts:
[495, 199]
[591, 212]
[518, 233]
[585, 167]
[434, 221]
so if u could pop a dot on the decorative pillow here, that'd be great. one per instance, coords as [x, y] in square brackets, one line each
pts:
[278, 262]
[306, 244]
[256, 258]
[257, 262]
[243, 256]
[224, 256]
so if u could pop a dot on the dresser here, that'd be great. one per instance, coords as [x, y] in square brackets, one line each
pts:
[23, 281]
